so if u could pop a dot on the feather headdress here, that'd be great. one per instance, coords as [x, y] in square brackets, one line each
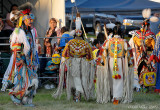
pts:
[78, 25]
[27, 7]
[146, 13]
[18, 16]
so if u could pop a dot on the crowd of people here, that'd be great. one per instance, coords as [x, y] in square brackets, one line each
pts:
[108, 69]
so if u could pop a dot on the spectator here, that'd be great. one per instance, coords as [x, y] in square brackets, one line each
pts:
[1, 24]
[9, 26]
[65, 38]
[95, 48]
[1, 33]
[50, 33]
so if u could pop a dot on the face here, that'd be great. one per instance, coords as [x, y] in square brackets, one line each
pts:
[14, 8]
[52, 24]
[27, 22]
[97, 45]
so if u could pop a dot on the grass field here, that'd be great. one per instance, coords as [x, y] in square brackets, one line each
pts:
[44, 101]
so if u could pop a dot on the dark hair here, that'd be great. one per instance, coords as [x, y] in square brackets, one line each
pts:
[64, 29]
[97, 22]
[109, 31]
[101, 37]
[14, 5]
[95, 42]
[117, 30]
[118, 23]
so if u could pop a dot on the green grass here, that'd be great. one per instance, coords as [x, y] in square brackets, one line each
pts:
[91, 36]
[44, 101]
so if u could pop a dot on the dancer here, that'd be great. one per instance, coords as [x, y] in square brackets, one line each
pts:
[114, 76]
[20, 77]
[77, 57]
[142, 43]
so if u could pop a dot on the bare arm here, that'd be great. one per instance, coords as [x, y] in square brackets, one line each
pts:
[10, 23]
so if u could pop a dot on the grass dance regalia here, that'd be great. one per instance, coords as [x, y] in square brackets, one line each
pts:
[114, 71]
[77, 57]
[142, 43]
[156, 56]
[21, 77]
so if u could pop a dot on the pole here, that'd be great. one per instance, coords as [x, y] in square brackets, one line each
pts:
[71, 20]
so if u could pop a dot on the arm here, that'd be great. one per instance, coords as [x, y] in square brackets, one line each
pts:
[1, 24]
[8, 21]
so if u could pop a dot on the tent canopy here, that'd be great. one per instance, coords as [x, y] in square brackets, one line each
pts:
[113, 7]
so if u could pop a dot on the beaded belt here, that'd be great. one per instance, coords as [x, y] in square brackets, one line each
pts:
[16, 46]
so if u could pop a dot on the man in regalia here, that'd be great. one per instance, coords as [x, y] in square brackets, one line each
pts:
[20, 77]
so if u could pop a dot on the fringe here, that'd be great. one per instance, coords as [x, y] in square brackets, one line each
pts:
[34, 33]
[58, 93]
[103, 85]
[91, 83]
[73, 70]
[128, 83]
[6, 74]
[136, 81]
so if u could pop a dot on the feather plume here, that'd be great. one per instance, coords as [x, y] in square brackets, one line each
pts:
[146, 13]
[78, 23]
[14, 15]
[73, 1]
[154, 19]
[35, 82]
[25, 6]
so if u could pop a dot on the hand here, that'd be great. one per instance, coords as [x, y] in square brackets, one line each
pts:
[50, 33]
